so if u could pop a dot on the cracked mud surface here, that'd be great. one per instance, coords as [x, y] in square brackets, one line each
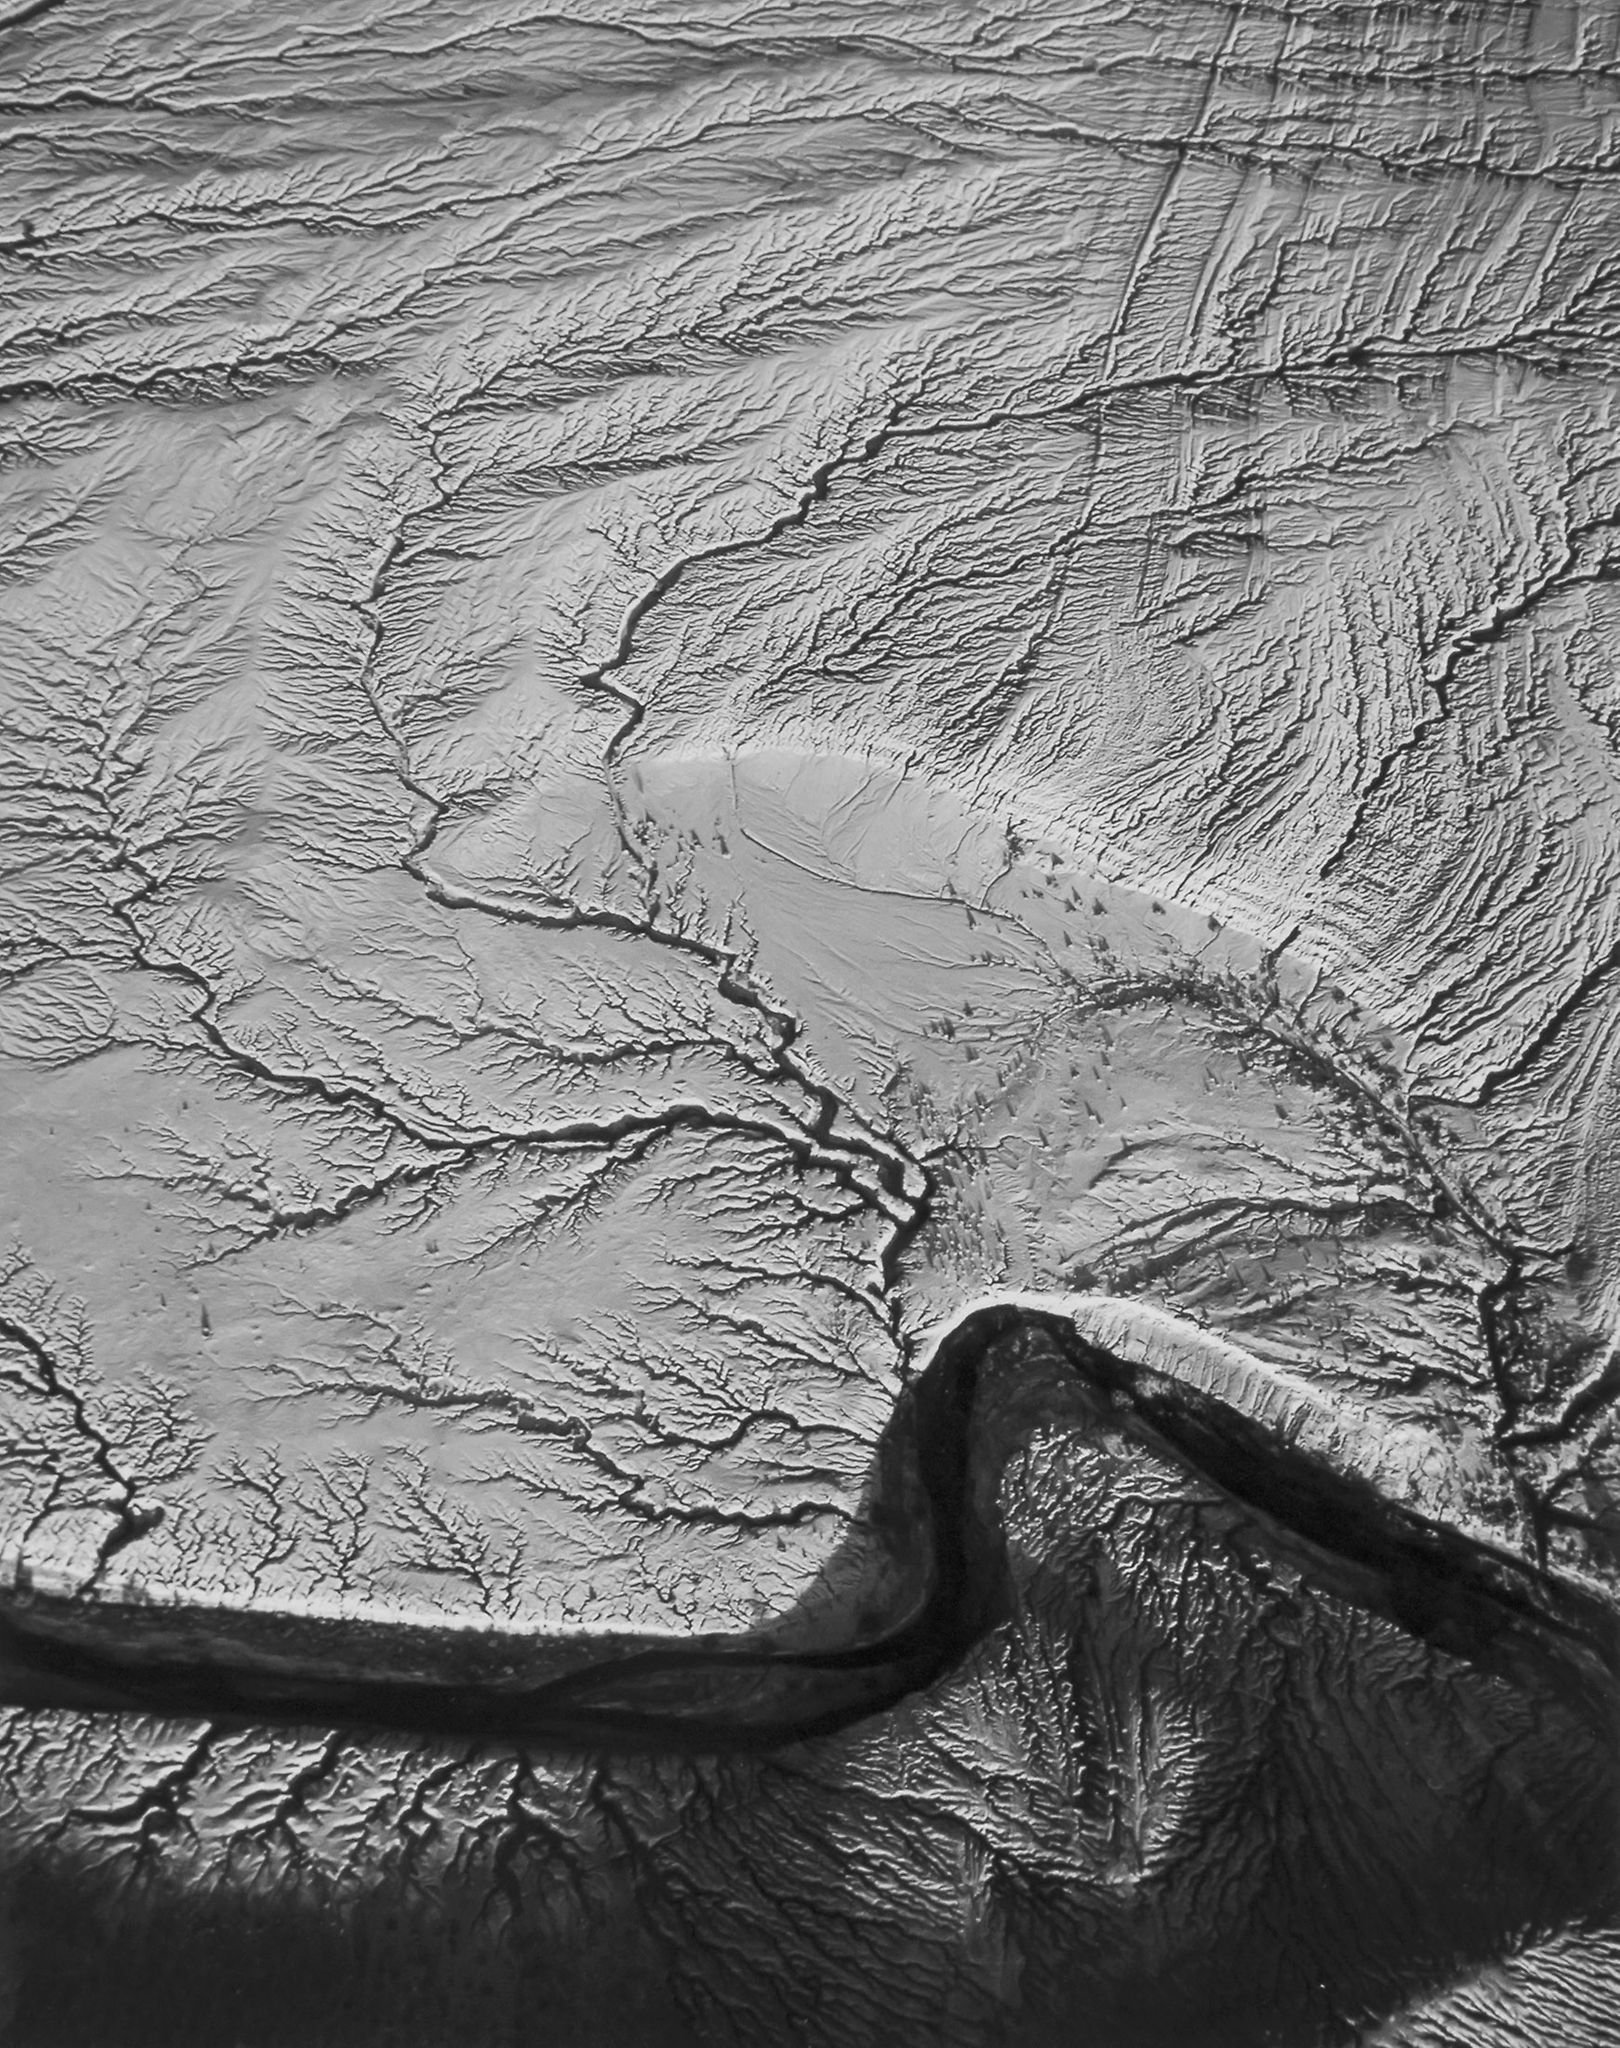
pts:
[809, 1027]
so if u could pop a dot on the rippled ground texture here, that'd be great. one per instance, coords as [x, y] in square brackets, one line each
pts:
[684, 689]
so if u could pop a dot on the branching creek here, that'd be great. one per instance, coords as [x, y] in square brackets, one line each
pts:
[929, 1504]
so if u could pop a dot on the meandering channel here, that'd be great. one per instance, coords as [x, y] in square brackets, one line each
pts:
[1530, 1627]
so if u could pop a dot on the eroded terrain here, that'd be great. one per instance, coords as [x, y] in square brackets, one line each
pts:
[693, 698]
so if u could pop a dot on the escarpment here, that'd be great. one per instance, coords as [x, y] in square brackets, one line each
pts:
[808, 1219]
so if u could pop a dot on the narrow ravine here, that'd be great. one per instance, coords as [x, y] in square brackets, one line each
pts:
[931, 1502]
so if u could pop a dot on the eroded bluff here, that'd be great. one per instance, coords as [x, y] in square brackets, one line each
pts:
[807, 1032]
